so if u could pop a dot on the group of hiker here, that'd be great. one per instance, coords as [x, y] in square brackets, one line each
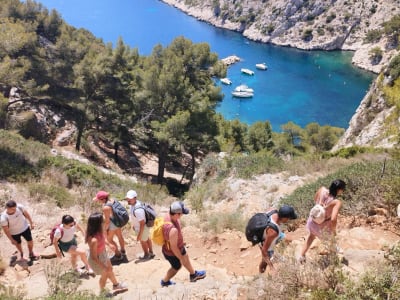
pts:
[101, 229]
[263, 229]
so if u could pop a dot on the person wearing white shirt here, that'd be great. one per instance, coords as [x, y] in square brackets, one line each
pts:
[14, 221]
[65, 241]
[139, 224]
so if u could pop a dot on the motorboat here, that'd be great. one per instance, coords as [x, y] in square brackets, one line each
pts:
[247, 71]
[262, 66]
[242, 94]
[226, 81]
[243, 88]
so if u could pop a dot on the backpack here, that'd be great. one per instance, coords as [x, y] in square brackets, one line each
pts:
[257, 224]
[120, 215]
[157, 234]
[53, 231]
[149, 212]
[317, 214]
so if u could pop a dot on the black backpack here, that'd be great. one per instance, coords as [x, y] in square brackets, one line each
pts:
[257, 224]
[120, 214]
[149, 212]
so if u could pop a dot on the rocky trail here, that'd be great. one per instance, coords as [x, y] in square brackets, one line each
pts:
[230, 261]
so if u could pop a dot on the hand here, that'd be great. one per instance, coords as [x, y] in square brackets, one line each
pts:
[138, 238]
[32, 226]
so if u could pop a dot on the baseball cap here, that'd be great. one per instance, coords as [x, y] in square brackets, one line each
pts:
[101, 195]
[178, 207]
[287, 211]
[131, 194]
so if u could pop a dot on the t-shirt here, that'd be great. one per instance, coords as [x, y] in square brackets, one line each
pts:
[69, 233]
[138, 216]
[16, 222]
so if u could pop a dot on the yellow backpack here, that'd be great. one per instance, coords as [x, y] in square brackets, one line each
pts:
[157, 235]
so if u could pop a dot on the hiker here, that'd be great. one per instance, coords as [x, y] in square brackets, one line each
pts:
[174, 247]
[64, 241]
[139, 225]
[14, 221]
[273, 234]
[110, 228]
[326, 198]
[98, 258]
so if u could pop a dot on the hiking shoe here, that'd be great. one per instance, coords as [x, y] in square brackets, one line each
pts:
[197, 275]
[166, 283]
[120, 286]
[33, 257]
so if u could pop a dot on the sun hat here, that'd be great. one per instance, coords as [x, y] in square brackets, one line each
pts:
[287, 211]
[101, 195]
[178, 207]
[131, 194]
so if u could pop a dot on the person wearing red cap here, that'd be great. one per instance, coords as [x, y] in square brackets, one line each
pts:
[110, 228]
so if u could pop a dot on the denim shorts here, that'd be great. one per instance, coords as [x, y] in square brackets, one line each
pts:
[66, 246]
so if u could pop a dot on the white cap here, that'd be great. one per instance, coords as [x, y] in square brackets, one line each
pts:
[131, 194]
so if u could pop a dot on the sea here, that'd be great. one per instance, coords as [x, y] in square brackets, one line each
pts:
[299, 86]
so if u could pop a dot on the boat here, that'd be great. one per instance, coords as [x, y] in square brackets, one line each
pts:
[247, 71]
[242, 94]
[262, 66]
[226, 81]
[243, 88]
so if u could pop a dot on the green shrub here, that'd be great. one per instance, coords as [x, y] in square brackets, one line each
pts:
[51, 194]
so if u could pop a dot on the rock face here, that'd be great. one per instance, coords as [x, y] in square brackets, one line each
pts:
[309, 25]
[323, 25]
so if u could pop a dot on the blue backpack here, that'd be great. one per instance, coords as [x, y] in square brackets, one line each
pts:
[120, 215]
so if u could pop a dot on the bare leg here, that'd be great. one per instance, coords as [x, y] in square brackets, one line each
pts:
[110, 236]
[170, 273]
[187, 264]
[309, 240]
[121, 240]
[30, 247]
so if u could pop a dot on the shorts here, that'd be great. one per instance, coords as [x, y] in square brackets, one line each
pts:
[112, 226]
[66, 246]
[174, 261]
[27, 234]
[145, 234]
[103, 257]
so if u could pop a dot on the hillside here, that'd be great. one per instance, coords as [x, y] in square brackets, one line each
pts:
[228, 258]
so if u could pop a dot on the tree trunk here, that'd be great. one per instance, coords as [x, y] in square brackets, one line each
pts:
[193, 167]
[116, 147]
[162, 159]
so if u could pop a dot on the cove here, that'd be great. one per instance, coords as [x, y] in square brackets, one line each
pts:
[299, 86]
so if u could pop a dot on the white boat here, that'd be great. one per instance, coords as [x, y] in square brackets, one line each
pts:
[226, 81]
[243, 88]
[242, 94]
[262, 66]
[247, 71]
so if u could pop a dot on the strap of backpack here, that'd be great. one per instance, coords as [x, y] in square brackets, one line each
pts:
[271, 224]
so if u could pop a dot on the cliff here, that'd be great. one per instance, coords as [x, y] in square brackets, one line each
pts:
[319, 25]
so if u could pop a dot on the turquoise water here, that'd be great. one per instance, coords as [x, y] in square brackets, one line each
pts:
[299, 86]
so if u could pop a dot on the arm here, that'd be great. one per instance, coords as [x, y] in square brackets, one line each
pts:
[173, 241]
[335, 212]
[79, 227]
[141, 224]
[270, 236]
[8, 234]
[55, 243]
[28, 217]
[107, 212]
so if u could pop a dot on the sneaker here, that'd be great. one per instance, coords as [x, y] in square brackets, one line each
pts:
[13, 261]
[91, 272]
[166, 283]
[301, 259]
[120, 286]
[197, 275]
[151, 255]
[33, 257]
